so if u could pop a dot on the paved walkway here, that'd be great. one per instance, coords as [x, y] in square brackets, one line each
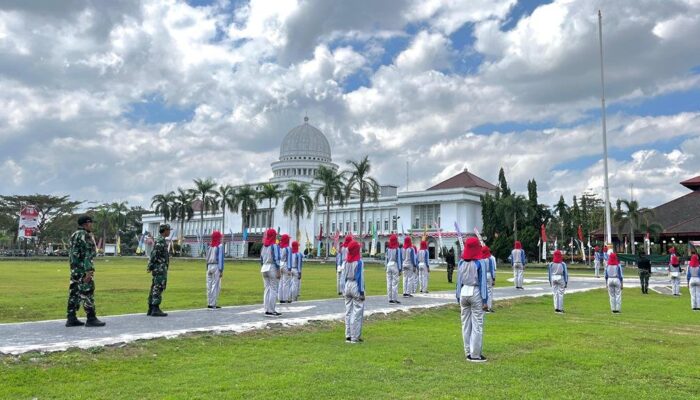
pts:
[48, 336]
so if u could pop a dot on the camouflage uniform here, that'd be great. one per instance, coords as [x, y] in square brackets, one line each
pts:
[158, 267]
[82, 252]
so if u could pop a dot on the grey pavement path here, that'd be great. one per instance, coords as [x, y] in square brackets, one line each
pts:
[48, 336]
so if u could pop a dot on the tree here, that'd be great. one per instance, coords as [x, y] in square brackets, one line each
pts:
[119, 211]
[270, 192]
[182, 208]
[362, 185]
[163, 204]
[205, 192]
[503, 189]
[511, 209]
[331, 190]
[297, 202]
[562, 210]
[488, 215]
[576, 220]
[226, 200]
[633, 218]
[104, 221]
[245, 201]
[49, 208]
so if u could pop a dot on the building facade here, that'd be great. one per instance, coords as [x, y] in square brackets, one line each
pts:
[435, 212]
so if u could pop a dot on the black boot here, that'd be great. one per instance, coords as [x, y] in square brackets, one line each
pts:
[150, 310]
[73, 320]
[156, 312]
[93, 321]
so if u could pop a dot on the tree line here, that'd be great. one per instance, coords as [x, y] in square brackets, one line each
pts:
[509, 216]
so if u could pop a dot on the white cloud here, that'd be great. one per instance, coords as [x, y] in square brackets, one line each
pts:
[250, 75]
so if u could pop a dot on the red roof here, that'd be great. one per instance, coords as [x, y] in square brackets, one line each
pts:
[692, 184]
[464, 179]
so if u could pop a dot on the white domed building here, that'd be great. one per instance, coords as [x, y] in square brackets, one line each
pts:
[303, 150]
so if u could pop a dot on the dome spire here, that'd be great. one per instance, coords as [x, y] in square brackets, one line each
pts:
[306, 118]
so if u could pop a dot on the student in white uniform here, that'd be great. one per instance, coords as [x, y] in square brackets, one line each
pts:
[472, 295]
[215, 269]
[285, 284]
[354, 293]
[270, 269]
[693, 277]
[558, 280]
[597, 260]
[340, 261]
[613, 280]
[409, 267]
[393, 264]
[517, 260]
[423, 266]
[674, 271]
[296, 262]
[489, 263]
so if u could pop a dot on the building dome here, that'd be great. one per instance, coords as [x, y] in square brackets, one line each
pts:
[305, 142]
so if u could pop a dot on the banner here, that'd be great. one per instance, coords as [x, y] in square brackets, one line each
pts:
[373, 249]
[478, 235]
[543, 233]
[28, 222]
[459, 233]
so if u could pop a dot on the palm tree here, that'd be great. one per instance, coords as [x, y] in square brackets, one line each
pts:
[119, 211]
[104, 216]
[183, 210]
[635, 218]
[226, 200]
[246, 202]
[513, 208]
[362, 185]
[205, 192]
[331, 190]
[270, 192]
[163, 204]
[298, 202]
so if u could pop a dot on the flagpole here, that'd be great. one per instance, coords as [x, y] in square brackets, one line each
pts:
[608, 228]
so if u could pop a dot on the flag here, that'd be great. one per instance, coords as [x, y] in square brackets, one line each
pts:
[555, 244]
[119, 244]
[571, 242]
[373, 250]
[580, 233]
[425, 232]
[543, 233]
[539, 242]
[481, 240]
[320, 233]
[308, 241]
[459, 232]
[245, 234]
[439, 232]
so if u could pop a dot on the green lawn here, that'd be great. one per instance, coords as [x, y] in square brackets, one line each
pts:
[649, 351]
[38, 290]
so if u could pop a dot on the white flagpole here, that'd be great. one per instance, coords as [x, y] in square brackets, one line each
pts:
[608, 228]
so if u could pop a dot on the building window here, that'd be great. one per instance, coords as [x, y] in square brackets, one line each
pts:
[425, 215]
[386, 225]
[354, 226]
[332, 226]
[394, 224]
[347, 226]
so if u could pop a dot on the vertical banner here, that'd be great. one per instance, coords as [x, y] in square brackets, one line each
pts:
[373, 249]
[28, 221]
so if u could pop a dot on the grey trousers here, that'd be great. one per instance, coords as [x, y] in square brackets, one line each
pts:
[694, 288]
[295, 286]
[676, 285]
[596, 267]
[558, 293]
[423, 276]
[213, 284]
[518, 276]
[285, 284]
[615, 293]
[489, 287]
[407, 280]
[392, 282]
[271, 285]
[354, 311]
[338, 273]
[472, 316]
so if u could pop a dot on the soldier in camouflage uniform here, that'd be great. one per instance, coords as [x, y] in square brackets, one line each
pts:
[158, 267]
[82, 285]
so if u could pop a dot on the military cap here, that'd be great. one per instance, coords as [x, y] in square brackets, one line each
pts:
[84, 219]
[163, 228]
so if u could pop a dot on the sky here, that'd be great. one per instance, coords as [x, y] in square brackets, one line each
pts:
[118, 101]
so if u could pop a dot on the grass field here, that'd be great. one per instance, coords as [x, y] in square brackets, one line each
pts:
[38, 290]
[649, 351]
